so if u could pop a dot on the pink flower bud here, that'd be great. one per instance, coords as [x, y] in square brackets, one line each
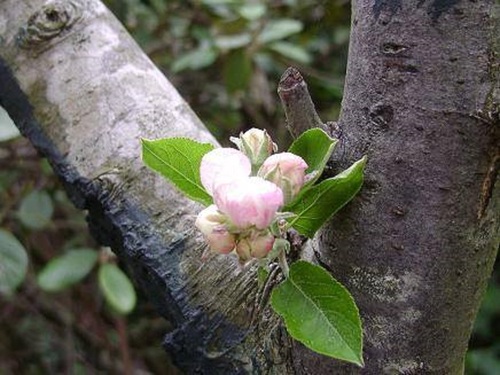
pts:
[256, 144]
[257, 245]
[286, 170]
[249, 202]
[212, 224]
[221, 166]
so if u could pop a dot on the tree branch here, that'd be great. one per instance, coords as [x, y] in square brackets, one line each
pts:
[299, 108]
[82, 91]
[411, 248]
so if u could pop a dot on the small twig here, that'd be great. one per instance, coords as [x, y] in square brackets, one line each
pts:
[262, 296]
[297, 103]
[69, 346]
[124, 348]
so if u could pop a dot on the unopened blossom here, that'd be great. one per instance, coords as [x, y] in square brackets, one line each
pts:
[212, 224]
[256, 144]
[221, 166]
[256, 245]
[248, 202]
[286, 170]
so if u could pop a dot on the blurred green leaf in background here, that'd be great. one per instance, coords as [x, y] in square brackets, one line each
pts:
[13, 263]
[117, 289]
[8, 130]
[66, 270]
[238, 50]
[36, 209]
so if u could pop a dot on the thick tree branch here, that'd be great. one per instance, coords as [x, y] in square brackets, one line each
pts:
[82, 91]
[411, 247]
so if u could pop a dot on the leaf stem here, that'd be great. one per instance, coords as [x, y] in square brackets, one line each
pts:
[283, 263]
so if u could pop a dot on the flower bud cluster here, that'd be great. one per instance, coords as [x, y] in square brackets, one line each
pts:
[249, 186]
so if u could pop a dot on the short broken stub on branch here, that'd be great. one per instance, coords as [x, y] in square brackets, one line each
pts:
[299, 108]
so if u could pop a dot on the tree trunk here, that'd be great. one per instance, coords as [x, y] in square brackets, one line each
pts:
[415, 248]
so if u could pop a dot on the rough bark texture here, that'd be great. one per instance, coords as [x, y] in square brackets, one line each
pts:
[415, 248]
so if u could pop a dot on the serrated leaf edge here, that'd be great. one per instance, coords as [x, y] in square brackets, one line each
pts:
[309, 184]
[204, 200]
[340, 176]
[350, 297]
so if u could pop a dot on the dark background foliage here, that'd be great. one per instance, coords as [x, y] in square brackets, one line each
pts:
[226, 58]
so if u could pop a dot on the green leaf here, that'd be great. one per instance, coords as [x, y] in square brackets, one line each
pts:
[66, 270]
[315, 147]
[291, 51]
[483, 361]
[237, 71]
[178, 160]
[8, 130]
[279, 29]
[117, 289]
[489, 309]
[13, 263]
[319, 312]
[252, 12]
[195, 60]
[227, 42]
[317, 204]
[219, 2]
[36, 210]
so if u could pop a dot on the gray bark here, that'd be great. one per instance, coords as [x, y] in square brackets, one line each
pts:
[82, 91]
[415, 248]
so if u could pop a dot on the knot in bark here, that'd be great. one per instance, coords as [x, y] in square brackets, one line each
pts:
[48, 23]
[381, 115]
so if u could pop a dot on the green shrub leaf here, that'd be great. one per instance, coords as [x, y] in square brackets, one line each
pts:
[228, 42]
[252, 12]
[8, 130]
[117, 289]
[315, 147]
[291, 51]
[195, 60]
[36, 210]
[13, 263]
[178, 160]
[66, 270]
[237, 71]
[317, 204]
[319, 312]
[279, 29]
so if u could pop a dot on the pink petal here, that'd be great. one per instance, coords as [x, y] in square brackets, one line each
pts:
[249, 202]
[221, 166]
